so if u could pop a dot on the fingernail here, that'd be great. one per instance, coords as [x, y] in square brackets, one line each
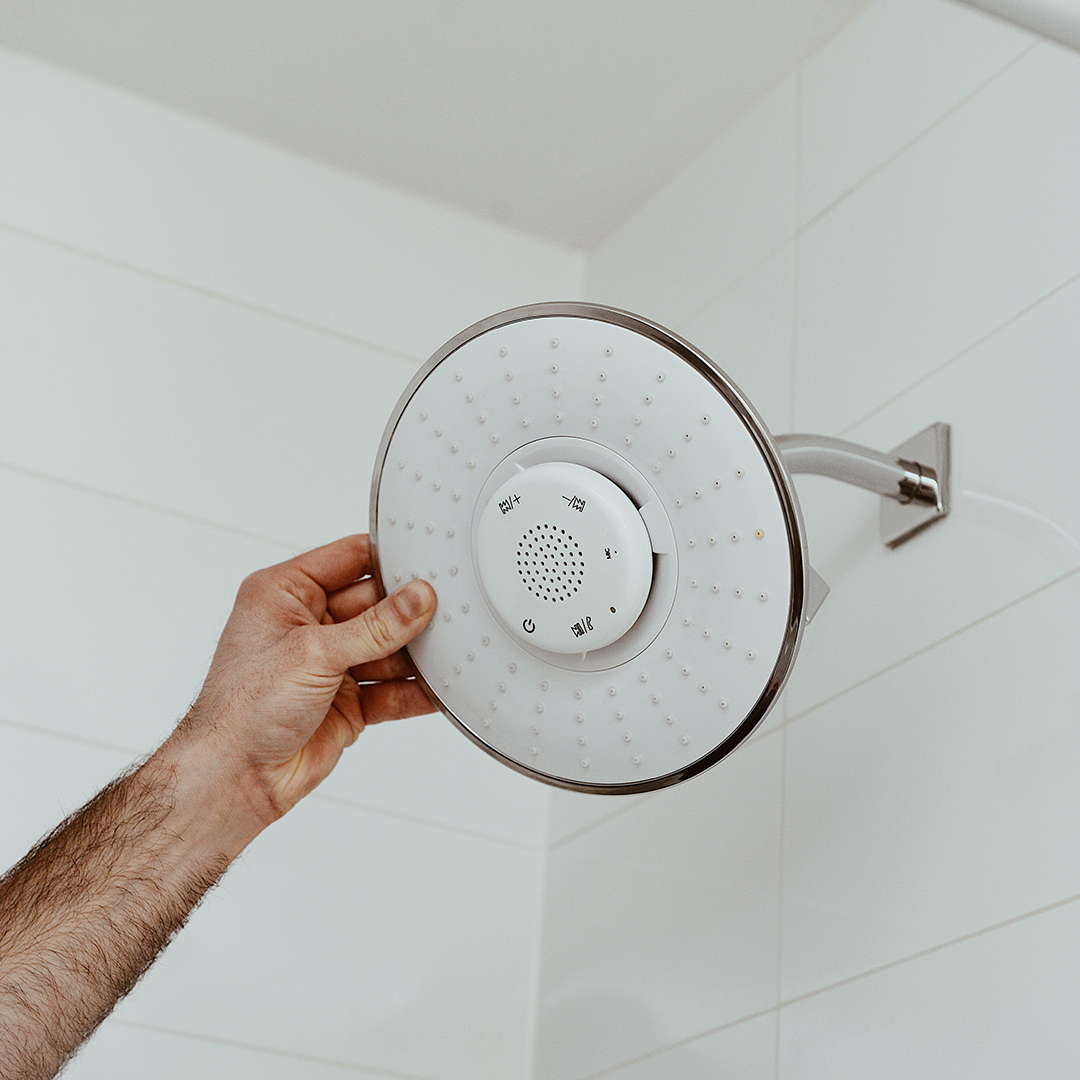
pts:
[413, 599]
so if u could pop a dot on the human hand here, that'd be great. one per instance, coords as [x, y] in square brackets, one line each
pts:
[308, 658]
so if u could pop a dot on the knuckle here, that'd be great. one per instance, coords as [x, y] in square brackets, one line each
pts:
[252, 587]
[383, 630]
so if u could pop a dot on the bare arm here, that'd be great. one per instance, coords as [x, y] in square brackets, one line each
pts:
[306, 661]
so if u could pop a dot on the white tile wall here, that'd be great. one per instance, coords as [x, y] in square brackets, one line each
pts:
[100, 169]
[746, 1050]
[749, 331]
[182, 400]
[974, 222]
[113, 640]
[909, 827]
[661, 922]
[44, 777]
[425, 768]
[123, 1049]
[716, 221]
[363, 939]
[997, 1006]
[1012, 528]
[883, 80]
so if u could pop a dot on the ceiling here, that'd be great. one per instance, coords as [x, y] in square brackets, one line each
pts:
[555, 117]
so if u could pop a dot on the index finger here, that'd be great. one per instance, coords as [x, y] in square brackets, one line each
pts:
[336, 565]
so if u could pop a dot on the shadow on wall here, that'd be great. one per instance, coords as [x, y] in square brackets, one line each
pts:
[576, 1052]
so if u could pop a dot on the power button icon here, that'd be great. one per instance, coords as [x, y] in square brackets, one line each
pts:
[528, 626]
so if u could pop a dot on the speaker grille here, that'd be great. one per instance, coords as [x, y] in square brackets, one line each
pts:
[551, 563]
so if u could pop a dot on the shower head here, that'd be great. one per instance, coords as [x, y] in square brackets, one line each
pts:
[615, 541]
[614, 538]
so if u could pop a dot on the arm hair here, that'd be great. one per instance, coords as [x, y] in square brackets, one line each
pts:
[85, 913]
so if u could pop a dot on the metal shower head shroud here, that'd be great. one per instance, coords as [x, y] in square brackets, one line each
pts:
[615, 542]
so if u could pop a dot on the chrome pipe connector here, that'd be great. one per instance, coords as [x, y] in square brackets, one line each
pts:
[914, 476]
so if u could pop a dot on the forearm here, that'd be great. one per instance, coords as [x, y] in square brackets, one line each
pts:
[87, 911]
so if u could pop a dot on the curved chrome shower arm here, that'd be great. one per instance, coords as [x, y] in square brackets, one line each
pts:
[915, 475]
[892, 477]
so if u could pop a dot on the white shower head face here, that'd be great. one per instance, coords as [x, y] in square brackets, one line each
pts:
[614, 542]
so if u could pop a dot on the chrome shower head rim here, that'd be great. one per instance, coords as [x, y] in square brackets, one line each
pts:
[777, 471]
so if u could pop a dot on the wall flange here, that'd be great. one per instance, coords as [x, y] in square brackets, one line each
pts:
[912, 479]
[930, 451]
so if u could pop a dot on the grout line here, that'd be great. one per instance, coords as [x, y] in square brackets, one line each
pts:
[293, 1055]
[971, 936]
[82, 740]
[135, 755]
[576, 835]
[532, 1020]
[780, 895]
[982, 932]
[1060, 579]
[917, 138]
[413, 819]
[796, 249]
[962, 353]
[607, 1070]
[212, 294]
[738, 280]
[800, 229]
[129, 500]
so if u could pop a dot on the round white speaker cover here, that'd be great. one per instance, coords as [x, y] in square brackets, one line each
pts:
[616, 546]
[564, 558]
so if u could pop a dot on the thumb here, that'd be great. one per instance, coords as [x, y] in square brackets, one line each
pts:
[380, 630]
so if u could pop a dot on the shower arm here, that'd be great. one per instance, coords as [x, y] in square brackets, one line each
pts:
[913, 479]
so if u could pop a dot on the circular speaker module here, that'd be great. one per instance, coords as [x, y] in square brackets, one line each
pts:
[564, 558]
[616, 545]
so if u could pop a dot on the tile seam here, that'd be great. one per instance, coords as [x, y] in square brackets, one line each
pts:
[208, 293]
[142, 504]
[293, 1055]
[414, 819]
[578, 833]
[981, 932]
[915, 139]
[1016, 602]
[608, 1069]
[740, 279]
[82, 740]
[137, 755]
[956, 357]
[940, 947]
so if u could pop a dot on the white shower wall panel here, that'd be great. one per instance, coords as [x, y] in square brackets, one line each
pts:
[713, 223]
[883, 80]
[746, 1050]
[124, 1049]
[106, 171]
[906, 828]
[975, 221]
[994, 1007]
[117, 609]
[661, 922]
[358, 937]
[180, 400]
[749, 331]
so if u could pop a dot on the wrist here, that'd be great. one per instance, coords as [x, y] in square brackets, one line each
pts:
[217, 803]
